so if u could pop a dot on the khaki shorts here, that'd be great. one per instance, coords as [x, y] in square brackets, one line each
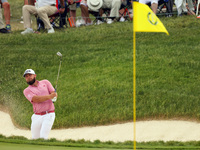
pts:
[72, 7]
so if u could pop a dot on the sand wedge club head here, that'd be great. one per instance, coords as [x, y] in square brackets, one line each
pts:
[60, 55]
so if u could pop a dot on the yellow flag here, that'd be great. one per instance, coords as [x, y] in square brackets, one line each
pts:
[145, 20]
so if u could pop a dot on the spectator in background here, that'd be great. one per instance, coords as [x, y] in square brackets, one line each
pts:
[190, 7]
[6, 7]
[62, 21]
[103, 9]
[72, 12]
[26, 2]
[113, 5]
[43, 8]
[2, 29]
[98, 15]
[124, 4]
[181, 7]
[169, 6]
[85, 13]
[154, 4]
[64, 14]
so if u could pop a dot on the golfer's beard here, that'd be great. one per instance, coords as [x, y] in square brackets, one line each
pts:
[31, 82]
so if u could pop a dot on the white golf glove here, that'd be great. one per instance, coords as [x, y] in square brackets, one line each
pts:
[54, 99]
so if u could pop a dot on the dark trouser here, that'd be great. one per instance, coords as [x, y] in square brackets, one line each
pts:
[169, 6]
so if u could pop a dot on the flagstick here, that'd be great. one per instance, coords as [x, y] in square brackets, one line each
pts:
[141, 11]
[134, 88]
[134, 80]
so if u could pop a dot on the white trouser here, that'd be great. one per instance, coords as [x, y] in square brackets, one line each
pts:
[41, 125]
[190, 5]
[181, 6]
[114, 5]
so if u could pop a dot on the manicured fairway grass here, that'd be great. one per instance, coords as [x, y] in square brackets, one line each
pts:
[143, 146]
[10, 146]
[22, 142]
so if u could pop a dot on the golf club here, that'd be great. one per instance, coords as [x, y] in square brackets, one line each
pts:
[59, 54]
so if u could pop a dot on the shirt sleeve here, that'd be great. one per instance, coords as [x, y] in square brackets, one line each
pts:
[28, 94]
[49, 86]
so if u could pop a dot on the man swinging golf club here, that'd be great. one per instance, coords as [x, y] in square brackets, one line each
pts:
[40, 94]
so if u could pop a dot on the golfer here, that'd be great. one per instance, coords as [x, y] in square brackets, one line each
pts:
[40, 93]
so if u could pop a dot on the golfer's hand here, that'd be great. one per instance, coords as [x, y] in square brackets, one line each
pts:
[54, 99]
[53, 94]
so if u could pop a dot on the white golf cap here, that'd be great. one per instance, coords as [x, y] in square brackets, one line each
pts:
[94, 4]
[29, 71]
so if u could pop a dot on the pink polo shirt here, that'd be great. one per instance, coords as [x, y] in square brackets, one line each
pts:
[44, 88]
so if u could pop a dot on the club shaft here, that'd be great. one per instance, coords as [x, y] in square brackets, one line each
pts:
[58, 73]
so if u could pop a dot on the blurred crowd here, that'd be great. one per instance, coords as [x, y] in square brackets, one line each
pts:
[104, 11]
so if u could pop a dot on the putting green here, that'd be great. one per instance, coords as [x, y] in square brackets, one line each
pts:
[10, 146]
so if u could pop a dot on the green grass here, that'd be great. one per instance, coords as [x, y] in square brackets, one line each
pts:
[67, 143]
[95, 84]
[168, 71]
[96, 79]
[11, 146]
[8, 146]
[16, 142]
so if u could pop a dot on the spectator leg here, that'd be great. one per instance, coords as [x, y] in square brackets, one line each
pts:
[85, 14]
[169, 6]
[179, 4]
[116, 4]
[6, 7]
[27, 10]
[154, 7]
[73, 15]
[1, 19]
[44, 12]
[184, 6]
[25, 2]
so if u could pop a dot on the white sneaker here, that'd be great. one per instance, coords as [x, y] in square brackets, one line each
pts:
[88, 24]
[51, 30]
[27, 31]
[122, 19]
[82, 22]
[78, 23]
[109, 21]
[99, 22]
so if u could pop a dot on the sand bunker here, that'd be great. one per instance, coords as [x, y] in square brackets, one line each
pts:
[145, 131]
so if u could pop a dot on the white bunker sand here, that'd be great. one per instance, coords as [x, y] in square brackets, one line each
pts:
[145, 131]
